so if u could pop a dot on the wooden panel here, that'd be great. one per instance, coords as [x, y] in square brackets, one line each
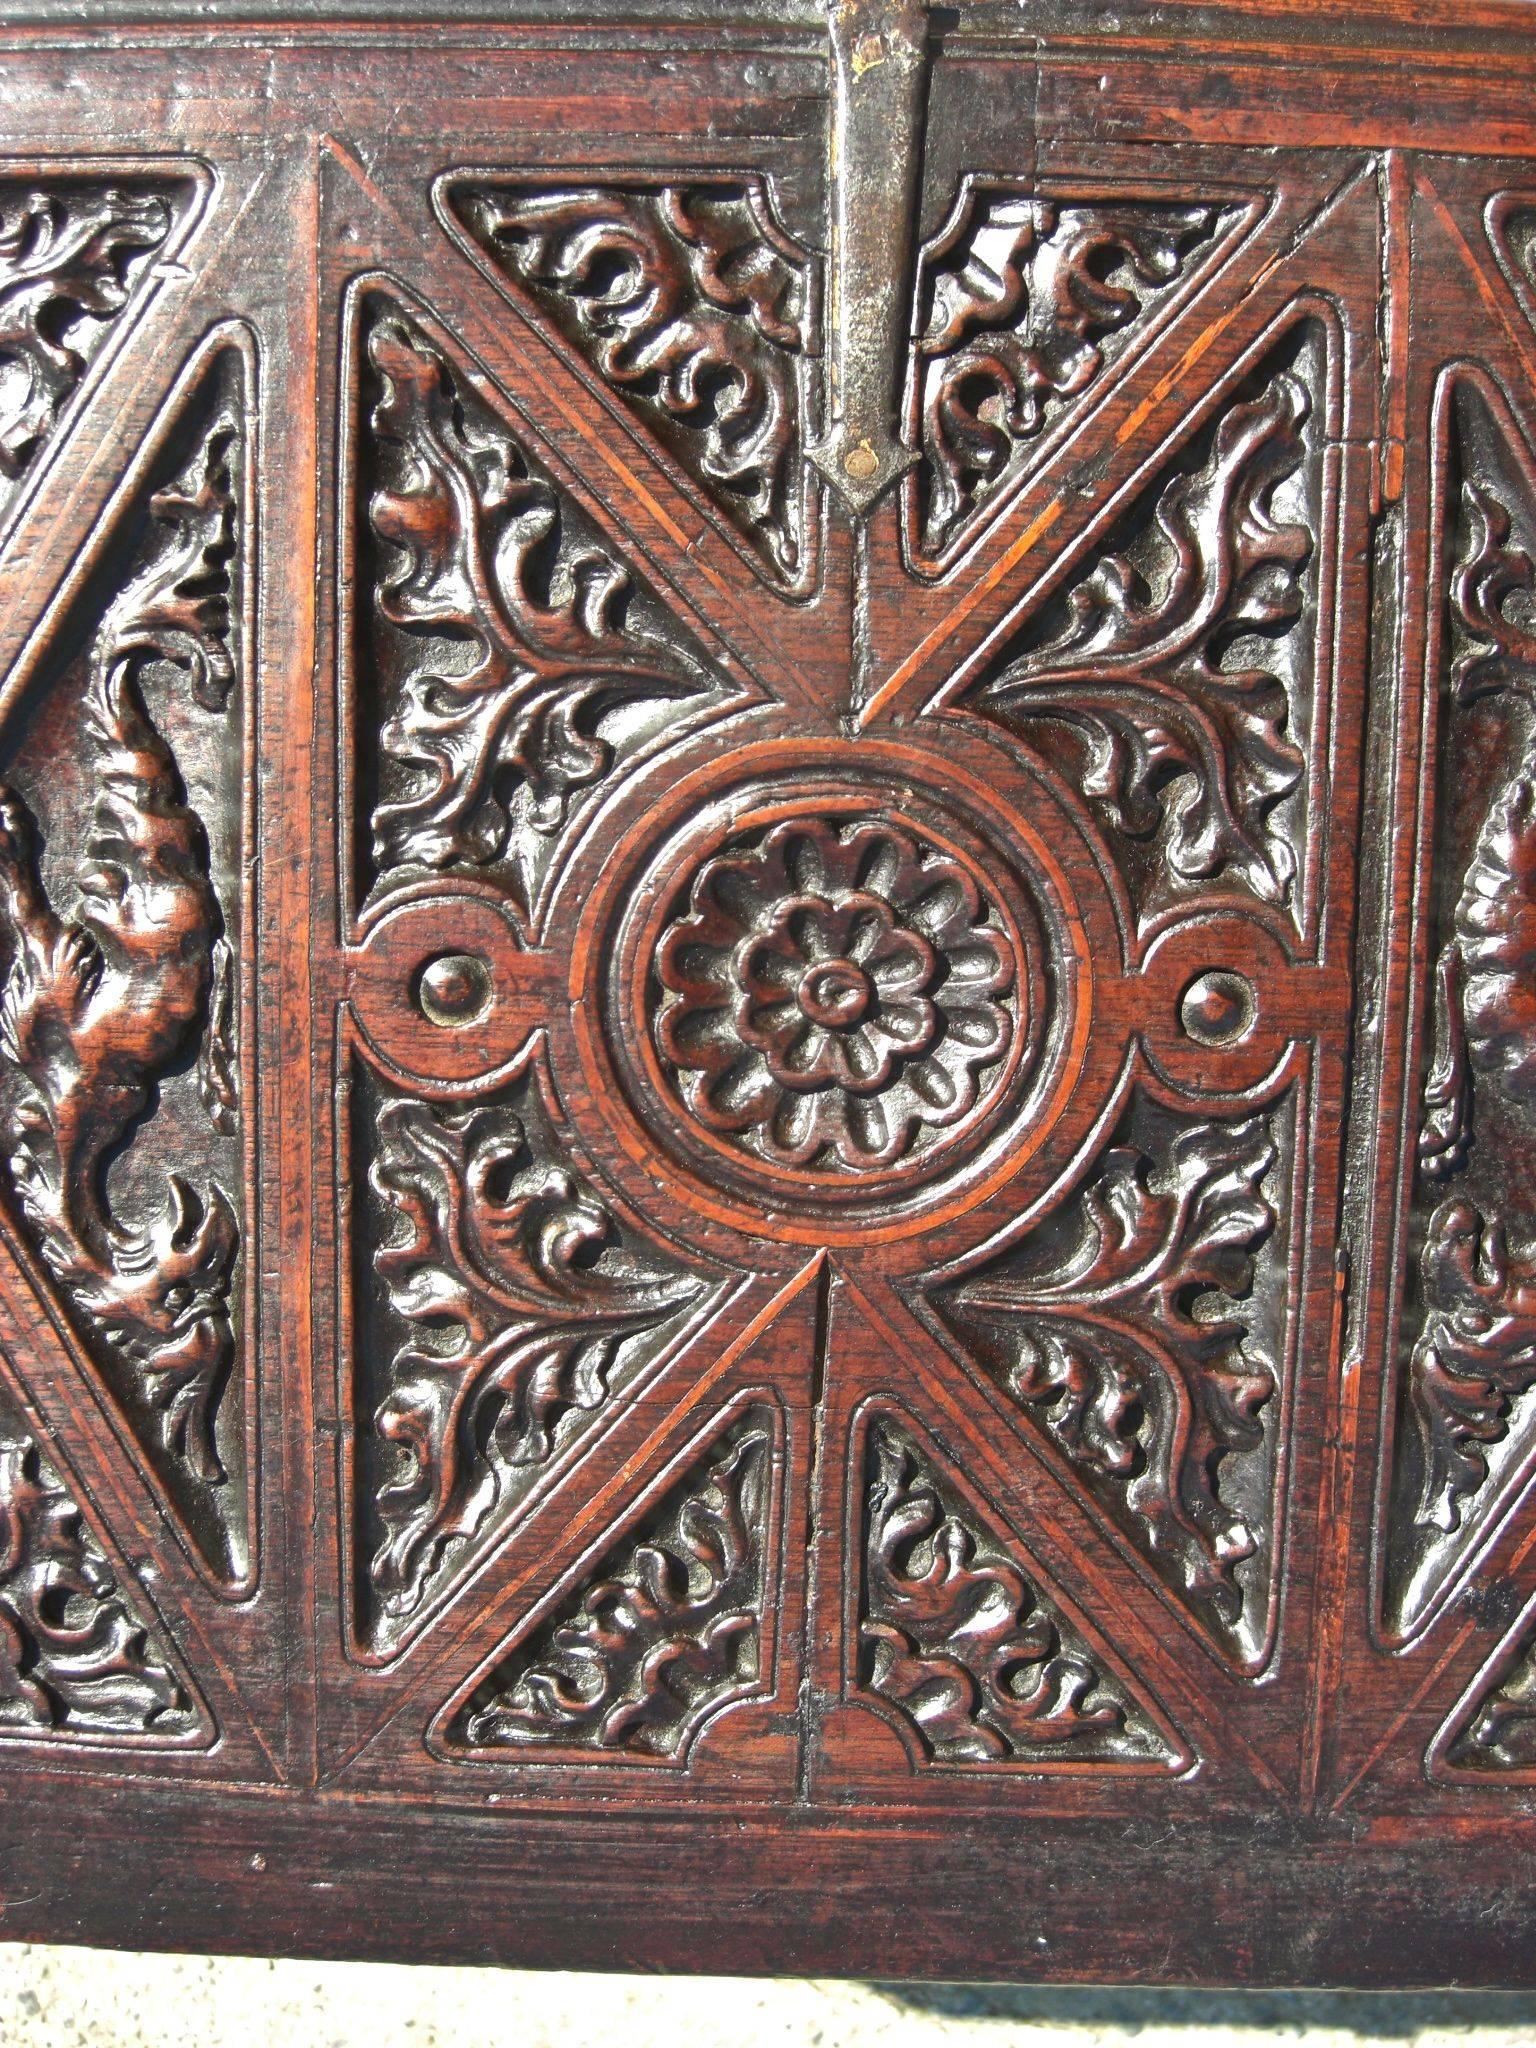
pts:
[766, 1196]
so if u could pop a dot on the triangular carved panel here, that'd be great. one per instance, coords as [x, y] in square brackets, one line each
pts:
[1173, 678]
[961, 1643]
[1468, 1422]
[1140, 1328]
[504, 1309]
[80, 1658]
[667, 1632]
[1491, 1737]
[75, 255]
[123, 914]
[509, 662]
[1025, 306]
[696, 309]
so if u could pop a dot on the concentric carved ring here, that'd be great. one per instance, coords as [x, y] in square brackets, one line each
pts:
[839, 992]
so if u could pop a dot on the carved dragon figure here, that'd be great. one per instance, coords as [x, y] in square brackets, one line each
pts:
[95, 1007]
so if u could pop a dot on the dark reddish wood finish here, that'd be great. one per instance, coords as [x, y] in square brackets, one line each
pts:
[731, 1236]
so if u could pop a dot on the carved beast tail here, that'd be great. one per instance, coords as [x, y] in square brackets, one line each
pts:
[145, 849]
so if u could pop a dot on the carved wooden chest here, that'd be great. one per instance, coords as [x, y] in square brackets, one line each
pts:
[768, 929]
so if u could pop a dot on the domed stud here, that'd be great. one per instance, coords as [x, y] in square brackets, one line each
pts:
[835, 994]
[1218, 1008]
[454, 990]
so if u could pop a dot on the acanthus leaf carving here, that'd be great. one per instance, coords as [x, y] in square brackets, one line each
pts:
[959, 1639]
[1475, 1353]
[76, 1656]
[99, 1007]
[1473, 1313]
[1177, 664]
[522, 1299]
[1025, 306]
[1132, 1336]
[667, 1632]
[518, 632]
[695, 306]
[69, 257]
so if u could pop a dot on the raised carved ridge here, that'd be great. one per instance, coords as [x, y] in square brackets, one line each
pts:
[70, 256]
[98, 1009]
[76, 1655]
[959, 1639]
[1511, 221]
[1023, 305]
[514, 657]
[1472, 1306]
[1130, 1328]
[667, 1632]
[1172, 679]
[525, 1307]
[693, 304]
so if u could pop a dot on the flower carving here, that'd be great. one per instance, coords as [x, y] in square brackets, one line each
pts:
[836, 995]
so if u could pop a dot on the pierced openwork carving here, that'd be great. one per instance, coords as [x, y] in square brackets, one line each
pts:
[668, 1632]
[77, 1658]
[1136, 1330]
[959, 1640]
[1024, 304]
[71, 255]
[1472, 1306]
[520, 1307]
[837, 993]
[693, 304]
[514, 658]
[1172, 680]
[103, 1009]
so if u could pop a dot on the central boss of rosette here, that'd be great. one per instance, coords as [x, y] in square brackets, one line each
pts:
[841, 990]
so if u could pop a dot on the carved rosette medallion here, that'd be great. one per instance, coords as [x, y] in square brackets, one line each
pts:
[838, 995]
[837, 991]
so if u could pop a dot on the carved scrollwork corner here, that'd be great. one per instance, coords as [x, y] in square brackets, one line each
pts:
[79, 1659]
[959, 1640]
[1024, 304]
[73, 254]
[1491, 1737]
[697, 309]
[668, 1631]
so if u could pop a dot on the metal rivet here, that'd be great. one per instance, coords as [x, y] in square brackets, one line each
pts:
[861, 462]
[454, 990]
[1218, 1007]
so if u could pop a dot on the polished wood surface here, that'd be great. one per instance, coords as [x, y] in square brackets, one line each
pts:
[767, 1054]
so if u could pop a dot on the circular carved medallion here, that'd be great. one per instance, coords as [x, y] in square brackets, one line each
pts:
[840, 993]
